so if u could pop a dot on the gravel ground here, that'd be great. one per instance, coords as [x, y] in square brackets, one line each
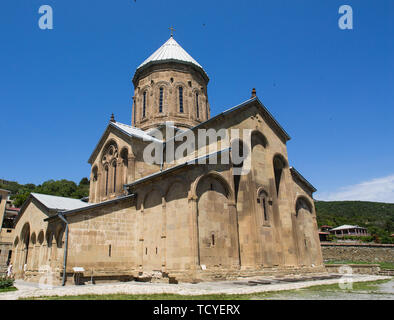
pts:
[26, 289]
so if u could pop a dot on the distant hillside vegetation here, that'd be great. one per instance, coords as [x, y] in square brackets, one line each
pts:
[62, 188]
[377, 217]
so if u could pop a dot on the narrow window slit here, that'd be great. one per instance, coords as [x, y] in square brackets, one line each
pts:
[161, 101]
[180, 99]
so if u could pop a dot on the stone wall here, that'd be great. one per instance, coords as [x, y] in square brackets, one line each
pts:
[5, 248]
[355, 268]
[358, 252]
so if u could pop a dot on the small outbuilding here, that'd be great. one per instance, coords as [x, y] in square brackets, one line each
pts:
[348, 230]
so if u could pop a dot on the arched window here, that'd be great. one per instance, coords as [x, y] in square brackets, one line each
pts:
[134, 110]
[304, 214]
[33, 238]
[258, 139]
[125, 157]
[114, 174]
[197, 107]
[262, 200]
[41, 237]
[25, 239]
[161, 100]
[302, 203]
[59, 236]
[279, 164]
[106, 180]
[109, 163]
[16, 241]
[94, 174]
[180, 99]
[144, 105]
[239, 153]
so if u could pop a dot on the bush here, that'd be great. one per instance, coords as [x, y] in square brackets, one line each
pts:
[6, 282]
[367, 238]
[331, 237]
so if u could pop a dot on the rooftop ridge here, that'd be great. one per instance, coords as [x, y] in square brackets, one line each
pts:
[170, 50]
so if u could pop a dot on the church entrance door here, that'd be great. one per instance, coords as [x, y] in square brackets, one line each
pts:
[216, 231]
[152, 220]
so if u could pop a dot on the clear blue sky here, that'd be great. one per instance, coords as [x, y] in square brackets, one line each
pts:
[331, 89]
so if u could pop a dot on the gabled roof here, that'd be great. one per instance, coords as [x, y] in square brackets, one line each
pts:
[300, 177]
[90, 206]
[194, 161]
[171, 51]
[248, 103]
[125, 129]
[13, 209]
[346, 226]
[59, 203]
[144, 135]
[52, 203]
[134, 132]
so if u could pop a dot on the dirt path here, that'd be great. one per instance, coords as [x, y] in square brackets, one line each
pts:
[26, 290]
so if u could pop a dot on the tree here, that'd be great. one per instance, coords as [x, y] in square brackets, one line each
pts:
[84, 182]
[62, 188]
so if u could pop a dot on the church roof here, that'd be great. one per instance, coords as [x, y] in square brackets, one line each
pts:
[134, 132]
[52, 203]
[194, 161]
[90, 206]
[302, 179]
[170, 51]
[59, 203]
[127, 130]
[241, 107]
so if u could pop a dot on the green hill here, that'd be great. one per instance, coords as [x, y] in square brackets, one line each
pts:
[377, 217]
[63, 188]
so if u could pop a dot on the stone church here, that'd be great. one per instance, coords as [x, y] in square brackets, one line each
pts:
[175, 220]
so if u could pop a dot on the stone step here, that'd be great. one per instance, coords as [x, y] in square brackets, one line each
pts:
[259, 282]
[386, 272]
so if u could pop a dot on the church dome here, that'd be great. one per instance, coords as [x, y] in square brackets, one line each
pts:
[170, 86]
[170, 51]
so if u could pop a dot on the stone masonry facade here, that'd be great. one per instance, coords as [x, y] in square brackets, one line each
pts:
[372, 253]
[172, 220]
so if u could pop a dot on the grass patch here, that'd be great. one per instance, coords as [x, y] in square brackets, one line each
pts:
[7, 289]
[357, 286]
[347, 262]
[386, 265]
[383, 265]
[163, 296]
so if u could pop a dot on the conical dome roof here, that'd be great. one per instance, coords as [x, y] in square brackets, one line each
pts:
[170, 51]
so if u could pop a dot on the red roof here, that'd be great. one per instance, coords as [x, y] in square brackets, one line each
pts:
[13, 209]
